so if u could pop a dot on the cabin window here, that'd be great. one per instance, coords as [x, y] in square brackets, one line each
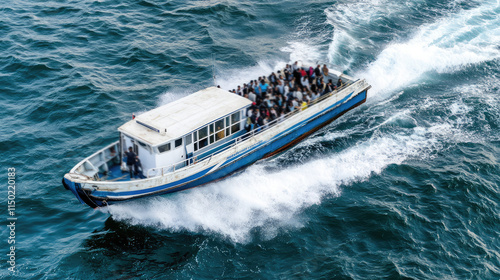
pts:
[219, 127]
[215, 131]
[202, 133]
[164, 148]
[203, 136]
[178, 142]
[145, 146]
[235, 128]
[187, 139]
[235, 121]
[203, 143]
[235, 117]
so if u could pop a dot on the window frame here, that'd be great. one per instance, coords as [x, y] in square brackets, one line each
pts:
[175, 143]
[167, 145]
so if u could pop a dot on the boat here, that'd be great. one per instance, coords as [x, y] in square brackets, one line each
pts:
[199, 139]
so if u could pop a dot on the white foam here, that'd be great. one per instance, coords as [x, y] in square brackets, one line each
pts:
[308, 54]
[230, 78]
[447, 45]
[173, 95]
[353, 23]
[265, 202]
[269, 201]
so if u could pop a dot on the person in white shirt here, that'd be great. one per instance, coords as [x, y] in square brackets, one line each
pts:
[305, 82]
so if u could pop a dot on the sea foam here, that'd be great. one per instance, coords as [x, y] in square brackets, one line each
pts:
[269, 201]
[447, 45]
[266, 202]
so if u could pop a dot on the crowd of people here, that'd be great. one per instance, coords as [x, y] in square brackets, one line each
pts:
[293, 88]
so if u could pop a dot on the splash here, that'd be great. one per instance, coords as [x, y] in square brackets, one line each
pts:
[230, 78]
[307, 53]
[447, 45]
[269, 201]
[263, 202]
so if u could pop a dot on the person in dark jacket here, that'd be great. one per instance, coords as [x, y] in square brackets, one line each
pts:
[317, 71]
[131, 159]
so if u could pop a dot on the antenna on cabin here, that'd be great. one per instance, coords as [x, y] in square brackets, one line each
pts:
[213, 69]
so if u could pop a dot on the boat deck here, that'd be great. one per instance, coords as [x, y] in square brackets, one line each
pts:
[115, 174]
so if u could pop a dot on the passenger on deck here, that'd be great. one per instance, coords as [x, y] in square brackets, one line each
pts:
[138, 168]
[339, 83]
[263, 86]
[289, 106]
[280, 87]
[298, 94]
[303, 72]
[286, 88]
[295, 104]
[303, 105]
[296, 77]
[265, 122]
[272, 113]
[276, 95]
[306, 96]
[319, 81]
[257, 90]
[314, 96]
[272, 78]
[329, 87]
[317, 71]
[294, 82]
[325, 71]
[288, 75]
[311, 73]
[305, 82]
[131, 159]
[252, 96]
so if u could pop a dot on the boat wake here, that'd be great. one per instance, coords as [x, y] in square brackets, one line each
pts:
[261, 202]
[447, 45]
[268, 201]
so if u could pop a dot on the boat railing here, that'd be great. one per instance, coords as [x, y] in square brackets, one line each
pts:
[160, 171]
[98, 161]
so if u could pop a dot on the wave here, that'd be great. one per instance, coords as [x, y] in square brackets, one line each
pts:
[230, 78]
[446, 45]
[263, 202]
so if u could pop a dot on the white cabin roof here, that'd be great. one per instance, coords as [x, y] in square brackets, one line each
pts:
[183, 115]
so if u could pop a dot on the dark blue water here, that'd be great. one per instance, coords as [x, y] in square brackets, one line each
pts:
[404, 187]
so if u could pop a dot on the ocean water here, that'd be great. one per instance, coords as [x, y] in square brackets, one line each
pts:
[405, 186]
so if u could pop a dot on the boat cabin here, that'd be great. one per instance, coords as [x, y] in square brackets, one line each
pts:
[186, 130]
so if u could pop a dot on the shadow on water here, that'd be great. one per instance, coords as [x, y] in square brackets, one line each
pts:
[132, 248]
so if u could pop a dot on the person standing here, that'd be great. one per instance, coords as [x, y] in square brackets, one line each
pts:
[131, 161]
[317, 71]
[325, 70]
